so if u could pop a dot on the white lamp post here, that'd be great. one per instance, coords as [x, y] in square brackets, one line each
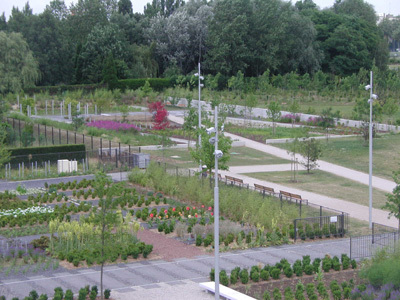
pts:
[217, 154]
[372, 97]
[199, 109]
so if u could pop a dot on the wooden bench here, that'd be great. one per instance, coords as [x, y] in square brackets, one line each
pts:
[224, 291]
[291, 196]
[213, 175]
[234, 181]
[264, 189]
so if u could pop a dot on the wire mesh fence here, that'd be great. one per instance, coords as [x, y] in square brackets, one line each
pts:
[381, 237]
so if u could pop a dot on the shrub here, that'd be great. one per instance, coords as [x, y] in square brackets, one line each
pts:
[310, 289]
[275, 273]
[309, 270]
[93, 295]
[223, 278]
[316, 264]
[44, 297]
[212, 275]
[255, 275]
[288, 294]
[82, 294]
[277, 294]
[326, 264]
[69, 295]
[147, 250]
[266, 296]
[346, 293]
[33, 295]
[264, 274]
[244, 276]
[107, 293]
[353, 264]
[337, 294]
[199, 240]
[288, 271]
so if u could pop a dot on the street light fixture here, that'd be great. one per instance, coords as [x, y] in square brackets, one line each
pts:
[218, 154]
[371, 99]
[199, 109]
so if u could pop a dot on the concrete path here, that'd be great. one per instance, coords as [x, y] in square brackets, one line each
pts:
[160, 279]
[379, 183]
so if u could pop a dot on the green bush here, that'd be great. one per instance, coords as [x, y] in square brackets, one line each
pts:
[266, 295]
[326, 264]
[275, 273]
[309, 270]
[244, 276]
[212, 275]
[44, 297]
[288, 293]
[199, 240]
[264, 274]
[82, 294]
[69, 295]
[288, 271]
[310, 289]
[346, 293]
[276, 293]
[107, 293]
[223, 278]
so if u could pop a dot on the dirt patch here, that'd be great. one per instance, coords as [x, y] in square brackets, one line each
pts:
[169, 248]
[256, 290]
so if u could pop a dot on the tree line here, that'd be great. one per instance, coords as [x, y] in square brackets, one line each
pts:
[90, 40]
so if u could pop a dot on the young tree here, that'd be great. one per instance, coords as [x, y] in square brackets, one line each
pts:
[293, 150]
[311, 150]
[393, 199]
[77, 119]
[191, 120]
[205, 153]
[105, 217]
[160, 115]
[294, 108]
[274, 113]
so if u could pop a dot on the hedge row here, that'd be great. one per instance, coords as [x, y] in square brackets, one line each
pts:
[157, 84]
[58, 89]
[46, 153]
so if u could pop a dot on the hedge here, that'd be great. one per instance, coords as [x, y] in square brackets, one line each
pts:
[58, 89]
[157, 84]
[46, 153]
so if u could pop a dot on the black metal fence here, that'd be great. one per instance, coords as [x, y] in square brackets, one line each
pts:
[322, 226]
[45, 165]
[367, 245]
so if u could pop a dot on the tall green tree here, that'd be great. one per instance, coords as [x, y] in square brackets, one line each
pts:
[125, 7]
[101, 43]
[18, 67]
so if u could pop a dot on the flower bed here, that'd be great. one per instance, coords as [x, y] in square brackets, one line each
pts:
[22, 216]
[112, 125]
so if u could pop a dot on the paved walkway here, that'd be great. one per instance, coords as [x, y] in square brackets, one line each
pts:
[158, 278]
[358, 211]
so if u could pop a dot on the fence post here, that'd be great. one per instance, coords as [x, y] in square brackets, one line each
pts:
[59, 136]
[83, 139]
[301, 201]
[295, 230]
[350, 247]
[75, 137]
[109, 146]
[91, 140]
[67, 136]
[38, 127]
[373, 232]
[45, 133]
[263, 193]
[116, 158]
[280, 197]
[101, 148]
[342, 225]
[140, 150]
[52, 135]
[176, 171]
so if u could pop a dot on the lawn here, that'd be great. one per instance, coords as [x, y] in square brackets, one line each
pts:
[240, 156]
[353, 153]
[327, 184]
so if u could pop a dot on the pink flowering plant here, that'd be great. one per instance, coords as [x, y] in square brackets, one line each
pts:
[112, 125]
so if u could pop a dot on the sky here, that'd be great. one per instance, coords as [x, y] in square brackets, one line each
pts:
[381, 6]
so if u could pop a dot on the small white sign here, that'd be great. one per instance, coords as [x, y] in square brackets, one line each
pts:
[334, 219]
